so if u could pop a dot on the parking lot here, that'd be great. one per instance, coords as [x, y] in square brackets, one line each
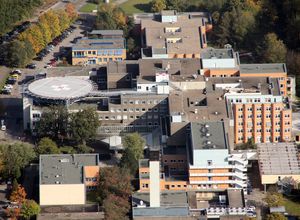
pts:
[58, 51]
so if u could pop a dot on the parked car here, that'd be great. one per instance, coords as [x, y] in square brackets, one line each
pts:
[16, 72]
[8, 86]
[31, 66]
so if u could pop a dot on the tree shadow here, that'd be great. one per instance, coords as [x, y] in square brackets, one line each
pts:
[143, 7]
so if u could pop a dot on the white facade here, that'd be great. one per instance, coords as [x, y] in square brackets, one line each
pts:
[154, 183]
[218, 63]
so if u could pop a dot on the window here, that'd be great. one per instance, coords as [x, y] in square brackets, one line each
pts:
[99, 59]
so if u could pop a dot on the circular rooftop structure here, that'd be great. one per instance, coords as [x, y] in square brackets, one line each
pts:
[60, 88]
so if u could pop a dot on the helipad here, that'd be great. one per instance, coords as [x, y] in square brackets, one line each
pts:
[58, 88]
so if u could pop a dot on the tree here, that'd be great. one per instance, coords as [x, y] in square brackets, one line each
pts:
[64, 20]
[53, 21]
[177, 5]
[29, 209]
[68, 150]
[131, 45]
[113, 191]
[157, 5]
[273, 49]
[45, 29]
[274, 199]
[134, 151]
[116, 208]
[15, 157]
[71, 11]
[54, 123]
[18, 195]
[110, 17]
[19, 53]
[47, 146]
[276, 216]
[84, 125]
[82, 149]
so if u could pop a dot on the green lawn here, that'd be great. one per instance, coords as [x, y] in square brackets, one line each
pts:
[136, 6]
[292, 207]
[88, 7]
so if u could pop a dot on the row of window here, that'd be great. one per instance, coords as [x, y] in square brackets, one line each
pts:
[136, 102]
[252, 100]
[175, 161]
[125, 117]
[260, 108]
[99, 52]
[93, 179]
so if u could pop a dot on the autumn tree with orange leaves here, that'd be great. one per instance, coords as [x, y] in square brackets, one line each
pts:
[18, 195]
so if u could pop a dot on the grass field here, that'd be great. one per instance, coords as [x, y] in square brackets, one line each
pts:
[135, 6]
[292, 207]
[88, 7]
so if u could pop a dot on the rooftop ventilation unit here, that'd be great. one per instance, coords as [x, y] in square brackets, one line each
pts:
[208, 142]
[207, 134]
[56, 175]
[216, 113]
[57, 182]
[64, 160]
[207, 125]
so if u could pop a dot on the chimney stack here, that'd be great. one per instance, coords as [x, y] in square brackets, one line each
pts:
[154, 183]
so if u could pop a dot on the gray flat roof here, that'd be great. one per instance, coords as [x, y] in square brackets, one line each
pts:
[208, 135]
[263, 68]
[65, 168]
[278, 159]
[57, 88]
[89, 43]
[235, 198]
[107, 32]
[212, 53]
[167, 199]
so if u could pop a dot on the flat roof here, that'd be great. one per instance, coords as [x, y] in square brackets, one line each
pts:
[208, 135]
[178, 69]
[59, 88]
[90, 43]
[65, 168]
[195, 105]
[235, 198]
[169, 199]
[189, 36]
[107, 32]
[212, 53]
[263, 68]
[278, 159]
[249, 84]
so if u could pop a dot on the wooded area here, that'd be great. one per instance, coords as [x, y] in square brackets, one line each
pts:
[13, 11]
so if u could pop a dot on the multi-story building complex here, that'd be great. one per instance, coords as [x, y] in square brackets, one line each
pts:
[207, 165]
[99, 48]
[65, 179]
[171, 34]
[143, 94]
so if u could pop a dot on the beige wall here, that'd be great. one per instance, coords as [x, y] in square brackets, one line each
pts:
[272, 179]
[62, 194]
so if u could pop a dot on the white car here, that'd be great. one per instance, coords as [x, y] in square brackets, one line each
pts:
[17, 72]
[3, 126]
[47, 66]
[8, 86]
